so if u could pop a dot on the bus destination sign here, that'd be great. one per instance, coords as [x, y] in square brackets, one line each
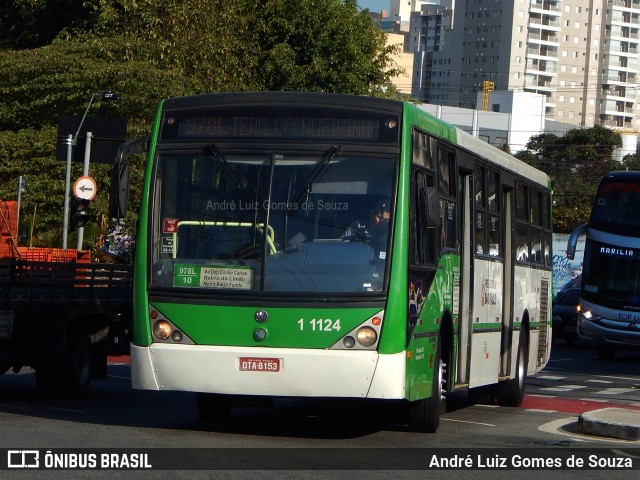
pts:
[294, 125]
[279, 127]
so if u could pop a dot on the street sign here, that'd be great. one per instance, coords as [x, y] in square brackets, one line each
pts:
[108, 133]
[85, 188]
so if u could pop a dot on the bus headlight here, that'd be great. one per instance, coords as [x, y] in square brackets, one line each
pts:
[366, 336]
[162, 329]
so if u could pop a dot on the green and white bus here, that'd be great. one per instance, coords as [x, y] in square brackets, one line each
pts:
[335, 246]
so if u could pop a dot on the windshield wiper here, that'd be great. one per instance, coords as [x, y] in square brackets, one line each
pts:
[326, 158]
[213, 150]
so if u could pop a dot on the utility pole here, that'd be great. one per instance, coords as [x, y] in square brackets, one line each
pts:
[72, 141]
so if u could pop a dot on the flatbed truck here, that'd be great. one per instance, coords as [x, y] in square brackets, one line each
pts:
[60, 314]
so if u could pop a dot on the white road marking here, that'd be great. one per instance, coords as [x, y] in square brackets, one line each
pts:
[617, 391]
[550, 377]
[463, 421]
[562, 388]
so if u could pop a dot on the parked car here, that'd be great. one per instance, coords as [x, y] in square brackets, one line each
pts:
[565, 315]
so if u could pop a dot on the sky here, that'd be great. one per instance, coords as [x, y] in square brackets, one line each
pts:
[374, 5]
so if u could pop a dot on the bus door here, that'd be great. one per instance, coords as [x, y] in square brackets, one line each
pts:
[507, 304]
[465, 277]
[487, 277]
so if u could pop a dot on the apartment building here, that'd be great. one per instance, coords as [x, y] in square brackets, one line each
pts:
[581, 55]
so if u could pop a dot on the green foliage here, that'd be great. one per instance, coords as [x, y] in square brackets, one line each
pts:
[631, 162]
[28, 153]
[35, 23]
[63, 77]
[321, 45]
[307, 45]
[575, 162]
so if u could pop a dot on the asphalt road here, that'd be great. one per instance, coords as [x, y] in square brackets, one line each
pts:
[113, 416]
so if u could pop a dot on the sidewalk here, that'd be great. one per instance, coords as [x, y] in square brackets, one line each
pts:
[617, 423]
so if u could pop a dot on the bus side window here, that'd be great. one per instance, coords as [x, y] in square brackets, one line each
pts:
[446, 187]
[421, 150]
[422, 237]
[522, 223]
[494, 230]
[480, 233]
[536, 224]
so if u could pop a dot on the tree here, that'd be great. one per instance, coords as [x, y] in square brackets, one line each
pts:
[631, 162]
[28, 24]
[575, 162]
[307, 45]
[62, 77]
[322, 45]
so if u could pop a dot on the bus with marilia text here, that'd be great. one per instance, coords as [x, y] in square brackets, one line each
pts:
[307, 245]
[609, 308]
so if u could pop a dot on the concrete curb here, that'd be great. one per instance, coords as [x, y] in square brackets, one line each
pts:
[611, 422]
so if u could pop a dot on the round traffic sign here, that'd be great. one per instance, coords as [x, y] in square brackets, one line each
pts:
[85, 188]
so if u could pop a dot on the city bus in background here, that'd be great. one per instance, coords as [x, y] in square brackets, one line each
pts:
[610, 289]
[306, 245]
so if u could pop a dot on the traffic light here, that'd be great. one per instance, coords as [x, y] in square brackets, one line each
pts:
[79, 214]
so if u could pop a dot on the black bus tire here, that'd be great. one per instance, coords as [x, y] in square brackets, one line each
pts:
[511, 392]
[213, 408]
[424, 414]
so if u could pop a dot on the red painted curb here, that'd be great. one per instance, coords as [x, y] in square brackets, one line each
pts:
[569, 405]
[120, 359]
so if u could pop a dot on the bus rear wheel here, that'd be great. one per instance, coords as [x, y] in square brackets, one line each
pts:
[424, 414]
[511, 392]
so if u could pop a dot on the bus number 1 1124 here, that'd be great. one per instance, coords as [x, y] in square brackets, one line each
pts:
[321, 324]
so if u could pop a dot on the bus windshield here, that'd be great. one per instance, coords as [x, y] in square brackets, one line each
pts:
[313, 222]
[612, 277]
[617, 207]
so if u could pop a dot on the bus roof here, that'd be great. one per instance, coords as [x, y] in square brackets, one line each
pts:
[501, 158]
[484, 149]
[443, 129]
[291, 98]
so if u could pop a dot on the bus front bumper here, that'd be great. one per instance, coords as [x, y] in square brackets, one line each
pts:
[268, 372]
[608, 332]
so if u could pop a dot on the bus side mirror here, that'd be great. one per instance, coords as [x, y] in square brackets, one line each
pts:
[573, 241]
[432, 207]
[119, 191]
[121, 176]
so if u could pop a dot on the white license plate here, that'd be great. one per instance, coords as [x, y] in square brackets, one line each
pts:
[259, 364]
[6, 323]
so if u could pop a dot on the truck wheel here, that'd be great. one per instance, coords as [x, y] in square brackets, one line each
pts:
[69, 374]
[511, 392]
[48, 377]
[212, 408]
[424, 414]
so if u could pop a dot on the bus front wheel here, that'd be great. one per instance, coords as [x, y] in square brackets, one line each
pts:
[424, 414]
[213, 408]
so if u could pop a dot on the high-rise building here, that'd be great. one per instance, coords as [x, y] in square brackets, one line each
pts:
[582, 55]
